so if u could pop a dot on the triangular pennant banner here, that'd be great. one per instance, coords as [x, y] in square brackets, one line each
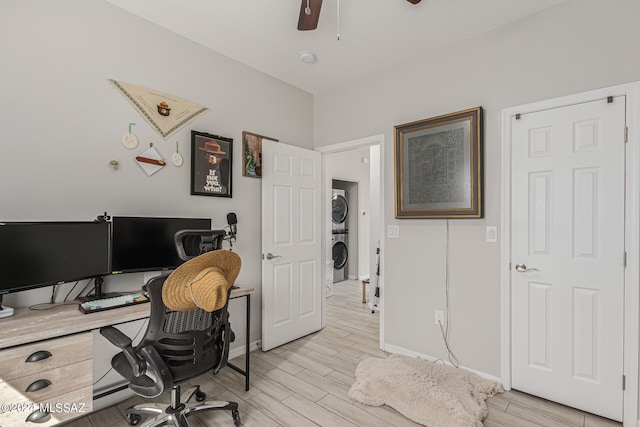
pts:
[165, 113]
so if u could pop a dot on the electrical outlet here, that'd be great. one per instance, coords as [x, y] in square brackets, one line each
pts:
[438, 317]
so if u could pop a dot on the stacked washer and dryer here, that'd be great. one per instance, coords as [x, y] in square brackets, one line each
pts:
[340, 233]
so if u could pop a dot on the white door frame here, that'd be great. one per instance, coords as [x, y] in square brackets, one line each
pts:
[326, 189]
[632, 235]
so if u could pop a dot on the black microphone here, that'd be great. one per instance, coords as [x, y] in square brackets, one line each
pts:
[232, 220]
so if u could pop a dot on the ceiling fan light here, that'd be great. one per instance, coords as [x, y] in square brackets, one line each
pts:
[308, 57]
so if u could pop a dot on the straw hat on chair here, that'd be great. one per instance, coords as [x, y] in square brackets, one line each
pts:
[202, 282]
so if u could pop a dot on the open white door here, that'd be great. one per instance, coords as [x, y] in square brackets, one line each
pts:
[291, 250]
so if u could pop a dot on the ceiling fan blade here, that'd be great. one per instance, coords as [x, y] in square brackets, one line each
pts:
[309, 22]
[414, 1]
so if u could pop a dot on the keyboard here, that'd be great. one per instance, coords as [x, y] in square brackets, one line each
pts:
[113, 302]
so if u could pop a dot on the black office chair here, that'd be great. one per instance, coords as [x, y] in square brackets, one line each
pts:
[177, 346]
[191, 243]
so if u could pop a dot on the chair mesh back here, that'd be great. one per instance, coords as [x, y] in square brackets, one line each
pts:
[177, 322]
[190, 342]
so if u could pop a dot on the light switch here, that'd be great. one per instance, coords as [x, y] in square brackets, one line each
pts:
[492, 234]
[393, 231]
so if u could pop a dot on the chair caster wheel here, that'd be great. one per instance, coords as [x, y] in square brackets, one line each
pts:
[133, 419]
[236, 418]
[200, 396]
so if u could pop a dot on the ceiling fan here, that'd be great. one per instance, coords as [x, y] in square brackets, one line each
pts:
[310, 13]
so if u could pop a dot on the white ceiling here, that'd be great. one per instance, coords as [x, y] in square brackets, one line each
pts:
[374, 34]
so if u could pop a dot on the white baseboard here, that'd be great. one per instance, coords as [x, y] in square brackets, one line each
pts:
[240, 350]
[399, 350]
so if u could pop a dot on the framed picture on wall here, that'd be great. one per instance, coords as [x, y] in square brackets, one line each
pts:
[438, 166]
[252, 152]
[211, 160]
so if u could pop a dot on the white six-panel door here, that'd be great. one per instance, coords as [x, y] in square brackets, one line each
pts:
[291, 249]
[567, 254]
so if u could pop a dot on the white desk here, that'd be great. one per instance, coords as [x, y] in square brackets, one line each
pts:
[65, 333]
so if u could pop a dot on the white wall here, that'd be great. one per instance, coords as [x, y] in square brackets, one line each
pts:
[62, 123]
[576, 46]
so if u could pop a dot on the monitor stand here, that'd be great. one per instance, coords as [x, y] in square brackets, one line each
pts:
[5, 311]
[97, 292]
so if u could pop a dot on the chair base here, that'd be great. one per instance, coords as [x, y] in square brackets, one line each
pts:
[176, 412]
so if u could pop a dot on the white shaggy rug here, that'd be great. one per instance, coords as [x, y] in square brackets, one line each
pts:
[428, 393]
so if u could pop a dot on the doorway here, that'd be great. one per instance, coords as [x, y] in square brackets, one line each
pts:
[368, 153]
[569, 306]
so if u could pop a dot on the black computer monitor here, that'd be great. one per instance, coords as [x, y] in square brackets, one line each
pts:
[147, 243]
[35, 254]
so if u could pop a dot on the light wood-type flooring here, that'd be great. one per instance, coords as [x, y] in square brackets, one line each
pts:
[305, 383]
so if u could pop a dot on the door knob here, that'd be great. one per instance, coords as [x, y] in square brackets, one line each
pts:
[271, 256]
[521, 268]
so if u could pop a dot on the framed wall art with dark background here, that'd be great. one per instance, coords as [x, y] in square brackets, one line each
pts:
[211, 160]
[439, 166]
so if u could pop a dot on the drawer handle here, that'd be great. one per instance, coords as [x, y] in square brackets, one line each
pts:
[37, 385]
[38, 356]
[37, 417]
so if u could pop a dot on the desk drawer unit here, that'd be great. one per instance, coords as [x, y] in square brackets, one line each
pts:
[52, 376]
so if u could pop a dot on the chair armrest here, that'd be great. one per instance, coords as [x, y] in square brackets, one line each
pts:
[123, 342]
[115, 337]
[229, 337]
[158, 369]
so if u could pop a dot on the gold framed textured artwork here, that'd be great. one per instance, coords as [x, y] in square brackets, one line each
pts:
[438, 166]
